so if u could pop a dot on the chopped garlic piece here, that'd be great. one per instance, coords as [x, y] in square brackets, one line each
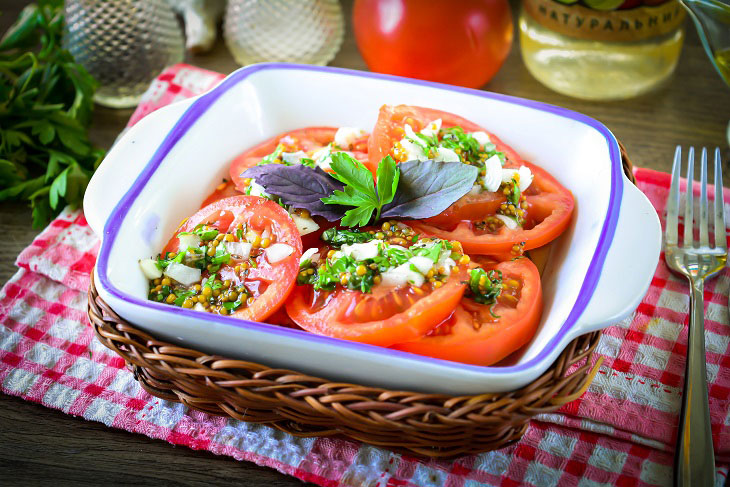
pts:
[293, 157]
[346, 136]
[362, 251]
[304, 225]
[239, 250]
[493, 176]
[432, 128]
[183, 274]
[422, 263]
[150, 269]
[481, 137]
[186, 241]
[278, 252]
[524, 177]
[444, 154]
[310, 255]
[508, 222]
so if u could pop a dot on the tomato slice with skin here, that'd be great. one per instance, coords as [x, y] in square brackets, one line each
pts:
[549, 204]
[270, 283]
[549, 211]
[307, 139]
[377, 318]
[472, 335]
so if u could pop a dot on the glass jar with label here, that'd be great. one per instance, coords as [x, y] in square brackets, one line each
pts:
[601, 49]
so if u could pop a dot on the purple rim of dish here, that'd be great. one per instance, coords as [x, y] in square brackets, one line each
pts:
[201, 105]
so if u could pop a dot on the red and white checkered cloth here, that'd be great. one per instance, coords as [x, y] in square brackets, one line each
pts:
[621, 431]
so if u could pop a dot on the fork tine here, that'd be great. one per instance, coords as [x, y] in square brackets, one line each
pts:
[689, 199]
[704, 232]
[720, 232]
[670, 230]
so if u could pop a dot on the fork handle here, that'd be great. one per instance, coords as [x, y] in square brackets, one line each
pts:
[694, 461]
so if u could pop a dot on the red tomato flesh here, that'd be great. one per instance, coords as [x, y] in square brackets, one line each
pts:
[383, 317]
[270, 283]
[307, 139]
[473, 335]
[549, 204]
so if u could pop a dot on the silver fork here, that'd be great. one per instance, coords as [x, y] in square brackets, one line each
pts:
[694, 461]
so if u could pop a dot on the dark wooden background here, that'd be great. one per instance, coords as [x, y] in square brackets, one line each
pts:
[40, 446]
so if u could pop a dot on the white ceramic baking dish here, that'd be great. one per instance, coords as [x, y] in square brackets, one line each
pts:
[161, 169]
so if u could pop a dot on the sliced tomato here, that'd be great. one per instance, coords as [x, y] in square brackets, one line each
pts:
[307, 139]
[549, 204]
[480, 334]
[269, 283]
[549, 210]
[386, 316]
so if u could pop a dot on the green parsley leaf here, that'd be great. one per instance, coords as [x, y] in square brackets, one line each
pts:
[359, 190]
[388, 176]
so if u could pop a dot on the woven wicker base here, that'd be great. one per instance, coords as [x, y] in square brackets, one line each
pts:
[431, 425]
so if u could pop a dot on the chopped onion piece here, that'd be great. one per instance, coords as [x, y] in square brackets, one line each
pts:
[183, 274]
[278, 252]
[304, 225]
[239, 250]
[198, 307]
[508, 222]
[150, 269]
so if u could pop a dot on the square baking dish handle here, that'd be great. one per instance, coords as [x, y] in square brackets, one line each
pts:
[125, 162]
[629, 266]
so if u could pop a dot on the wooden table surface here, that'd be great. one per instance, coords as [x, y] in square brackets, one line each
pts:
[40, 445]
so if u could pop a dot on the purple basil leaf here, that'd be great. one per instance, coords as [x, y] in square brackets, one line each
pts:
[300, 187]
[426, 188]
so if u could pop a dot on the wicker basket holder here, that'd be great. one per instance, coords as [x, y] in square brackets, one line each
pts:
[430, 425]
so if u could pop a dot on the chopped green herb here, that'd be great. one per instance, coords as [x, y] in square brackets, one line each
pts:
[337, 238]
[205, 233]
[484, 287]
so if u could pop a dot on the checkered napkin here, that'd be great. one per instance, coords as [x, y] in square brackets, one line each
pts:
[621, 431]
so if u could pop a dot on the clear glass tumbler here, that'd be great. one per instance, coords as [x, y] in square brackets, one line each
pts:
[299, 31]
[124, 44]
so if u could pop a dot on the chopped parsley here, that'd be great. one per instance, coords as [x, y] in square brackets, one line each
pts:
[484, 286]
[337, 238]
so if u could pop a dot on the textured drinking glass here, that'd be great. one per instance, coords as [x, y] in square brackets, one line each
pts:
[124, 44]
[300, 31]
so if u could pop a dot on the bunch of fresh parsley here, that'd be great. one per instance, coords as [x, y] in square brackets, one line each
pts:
[45, 109]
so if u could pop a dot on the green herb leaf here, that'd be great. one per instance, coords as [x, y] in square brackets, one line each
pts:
[337, 238]
[388, 176]
[45, 110]
[351, 172]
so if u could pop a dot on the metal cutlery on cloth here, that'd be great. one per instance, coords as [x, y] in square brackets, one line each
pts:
[694, 462]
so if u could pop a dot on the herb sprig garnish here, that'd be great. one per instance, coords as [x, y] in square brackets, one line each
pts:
[410, 190]
[46, 157]
[360, 191]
